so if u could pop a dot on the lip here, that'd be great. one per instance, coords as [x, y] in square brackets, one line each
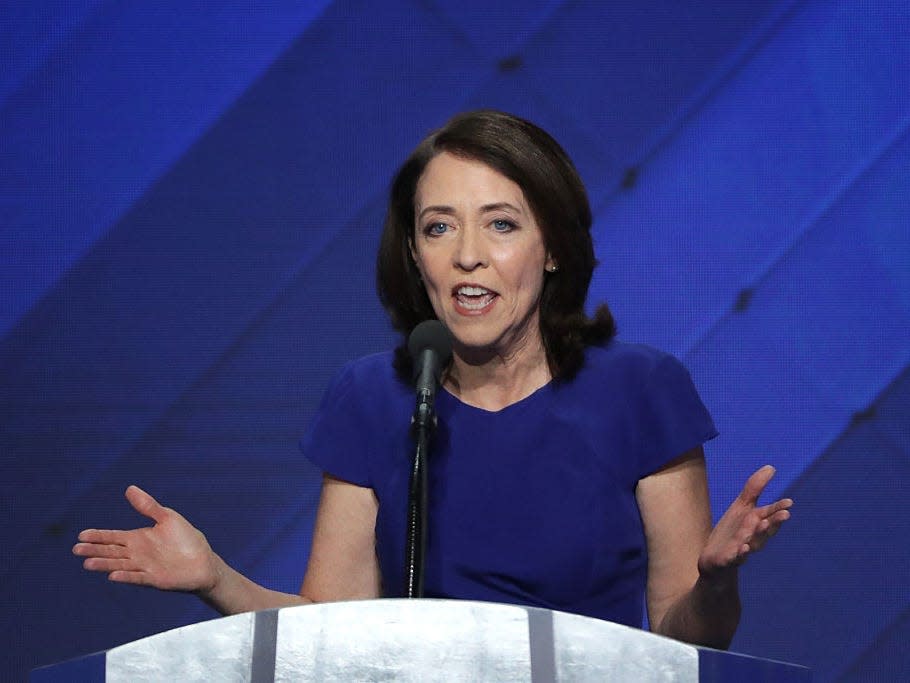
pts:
[481, 306]
[476, 285]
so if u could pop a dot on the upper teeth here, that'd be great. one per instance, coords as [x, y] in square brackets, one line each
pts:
[472, 291]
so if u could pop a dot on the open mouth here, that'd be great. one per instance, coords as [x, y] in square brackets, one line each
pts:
[472, 298]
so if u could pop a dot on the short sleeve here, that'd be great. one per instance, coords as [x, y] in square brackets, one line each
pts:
[334, 441]
[673, 417]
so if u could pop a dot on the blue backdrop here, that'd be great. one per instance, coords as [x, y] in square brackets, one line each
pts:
[190, 200]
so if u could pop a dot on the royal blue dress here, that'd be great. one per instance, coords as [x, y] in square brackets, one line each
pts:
[533, 504]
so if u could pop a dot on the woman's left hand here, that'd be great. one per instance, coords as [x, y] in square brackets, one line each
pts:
[744, 528]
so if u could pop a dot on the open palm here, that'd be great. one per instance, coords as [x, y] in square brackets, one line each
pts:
[170, 555]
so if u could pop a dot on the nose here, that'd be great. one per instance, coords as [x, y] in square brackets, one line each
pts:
[470, 252]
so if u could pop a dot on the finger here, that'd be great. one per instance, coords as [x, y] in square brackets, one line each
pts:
[144, 504]
[99, 550]
[104, 536]
[774, 523]
[779, 517]
[756, 484]
[768, 529]
[772, 508]
[103, 564]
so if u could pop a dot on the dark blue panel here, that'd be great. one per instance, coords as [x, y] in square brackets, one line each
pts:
[719, 667]
[786, 374]
[833, 580]
[190, 267]
[88, 669]
[754, 167]
[624, 71]
[495, 30]
[886, 658]
[106, 113]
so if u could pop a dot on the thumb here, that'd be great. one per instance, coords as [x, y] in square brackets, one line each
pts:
[144, 504]
[756, 484]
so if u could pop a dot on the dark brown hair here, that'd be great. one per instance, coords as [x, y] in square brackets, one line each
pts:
[533, 160]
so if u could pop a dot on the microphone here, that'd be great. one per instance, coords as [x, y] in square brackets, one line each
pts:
[430, 346]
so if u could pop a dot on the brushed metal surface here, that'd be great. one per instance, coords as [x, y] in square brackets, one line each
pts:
[445, 640]
[217, 650]
[593, 650]
[403, 640]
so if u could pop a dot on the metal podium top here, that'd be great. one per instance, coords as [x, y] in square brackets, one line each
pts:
[419, 640]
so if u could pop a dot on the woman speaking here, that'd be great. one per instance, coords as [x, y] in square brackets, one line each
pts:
[567, 469]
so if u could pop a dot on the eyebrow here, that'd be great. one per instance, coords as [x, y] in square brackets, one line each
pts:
[486, 208]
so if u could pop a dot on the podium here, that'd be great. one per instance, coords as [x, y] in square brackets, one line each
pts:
[413, 640]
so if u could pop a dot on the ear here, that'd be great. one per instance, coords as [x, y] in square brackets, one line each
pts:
[550, 264]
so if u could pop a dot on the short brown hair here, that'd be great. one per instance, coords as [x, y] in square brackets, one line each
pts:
[532, 159]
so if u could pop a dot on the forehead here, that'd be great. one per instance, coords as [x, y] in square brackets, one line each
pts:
[452, 179]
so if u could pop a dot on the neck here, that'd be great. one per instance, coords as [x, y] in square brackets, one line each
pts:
[493, 380]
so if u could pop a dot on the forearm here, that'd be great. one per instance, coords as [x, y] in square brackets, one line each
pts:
[233, 593]
[707, 615]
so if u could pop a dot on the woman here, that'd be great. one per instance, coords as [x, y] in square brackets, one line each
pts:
[567, 471]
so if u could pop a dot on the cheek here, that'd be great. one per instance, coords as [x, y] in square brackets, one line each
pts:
[533, 286]
[531, 274]
[426, 268]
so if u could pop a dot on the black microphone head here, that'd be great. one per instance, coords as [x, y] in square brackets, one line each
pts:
[430, 335]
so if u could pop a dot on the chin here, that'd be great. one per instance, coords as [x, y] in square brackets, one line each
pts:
[473, 340]
[478, 341]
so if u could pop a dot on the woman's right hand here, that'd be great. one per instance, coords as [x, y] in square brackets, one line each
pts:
[172, 555]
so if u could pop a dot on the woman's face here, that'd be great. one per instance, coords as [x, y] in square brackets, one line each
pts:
[480, 253]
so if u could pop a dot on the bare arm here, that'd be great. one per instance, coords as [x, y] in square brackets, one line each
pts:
[343, 563]
[173, 555]
[693, 592]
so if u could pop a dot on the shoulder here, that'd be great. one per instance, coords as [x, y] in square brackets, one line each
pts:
[627, 364]
[364, 382]
[365, 390]
[624, 374]
[368, 373]
[355, 408]
[652, 393]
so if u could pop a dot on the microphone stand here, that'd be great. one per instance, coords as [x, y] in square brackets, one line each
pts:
[430, 346]
[422, 423]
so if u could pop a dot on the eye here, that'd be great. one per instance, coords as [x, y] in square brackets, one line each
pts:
[502, 225]
[435, 228]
